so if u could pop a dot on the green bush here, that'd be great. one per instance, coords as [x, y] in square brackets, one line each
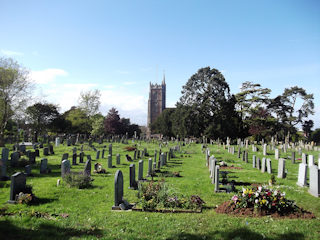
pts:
[78, 180]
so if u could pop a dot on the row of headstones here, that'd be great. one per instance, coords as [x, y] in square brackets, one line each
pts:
[314, 177]
[119, 203]
[214, 169]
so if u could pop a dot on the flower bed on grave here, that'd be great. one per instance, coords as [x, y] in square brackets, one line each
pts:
[157, 197]
[261, 201]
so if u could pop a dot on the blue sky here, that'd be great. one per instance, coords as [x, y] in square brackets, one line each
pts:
[118, 47]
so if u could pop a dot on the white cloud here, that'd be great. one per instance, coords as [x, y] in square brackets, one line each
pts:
[129, 83]
[11, 53]
[47, 75]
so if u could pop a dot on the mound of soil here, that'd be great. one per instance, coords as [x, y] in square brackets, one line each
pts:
[229, 207]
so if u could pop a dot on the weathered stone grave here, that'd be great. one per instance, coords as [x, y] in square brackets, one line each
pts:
[314, 183]
[18, 184]
[65, 168]
[302, 175]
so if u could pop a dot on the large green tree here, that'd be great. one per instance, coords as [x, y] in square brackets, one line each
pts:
[164, 122]
[40, 116]
[292, 108]
[207, 105]
[15, 90]
[79, 120]
[112, 124]
[89, 102]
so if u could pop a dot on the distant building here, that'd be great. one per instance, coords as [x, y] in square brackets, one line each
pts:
[156, 102]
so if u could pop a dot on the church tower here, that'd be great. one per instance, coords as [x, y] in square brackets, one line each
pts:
[156, 103]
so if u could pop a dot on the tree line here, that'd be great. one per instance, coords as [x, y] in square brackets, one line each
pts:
[207, 108]
[43, 117]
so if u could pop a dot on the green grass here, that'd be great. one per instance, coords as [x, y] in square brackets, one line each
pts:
[90, 215]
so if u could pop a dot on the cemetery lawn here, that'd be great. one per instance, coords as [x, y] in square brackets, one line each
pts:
[70, 213]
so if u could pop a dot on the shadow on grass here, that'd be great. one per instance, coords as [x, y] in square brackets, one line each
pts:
[40, 201]
[45, 231]
[237, 234]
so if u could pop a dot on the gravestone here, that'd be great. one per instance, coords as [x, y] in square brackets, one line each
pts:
[254, 161]
[109, 161]
[118, 159]
[3, 163]
[18, 184]
[269, 167]
[103, 152]
[118, 189]
[263, 165]
[51, 149]
[149, 167]
[65, 156]
[276, 154]
[110, 149]
[216, 179]
[44, 166]
[304, 158]
[46, 151]
[281, 168]
[15, 159]
[314, 188]
[302, 175]
[155, 155]
[87, 168]
[37, 152]
[239, 152]
[140, 170]
[162, 160]
[213, 169]
[258, 163]
[28, 169]
[22, 148]
[310, 160]
[81, 156]
[135, 155]
[74, 159]
[32, 157]
[265, 149]
[293, 157]
[57, 142]
[132, 177]
[246, 156]
[98, 155]
[65, 167]
[154, 166]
